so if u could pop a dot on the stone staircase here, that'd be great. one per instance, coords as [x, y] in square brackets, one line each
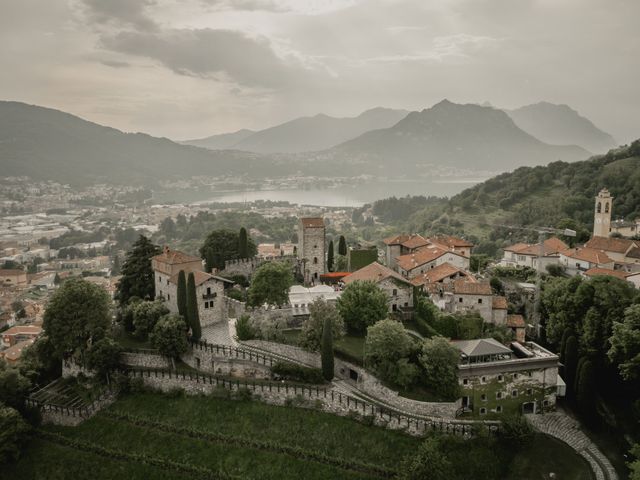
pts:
[561, 426]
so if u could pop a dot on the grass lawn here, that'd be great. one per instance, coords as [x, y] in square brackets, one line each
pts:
[279, 429]
[352, 347]
[129, 341]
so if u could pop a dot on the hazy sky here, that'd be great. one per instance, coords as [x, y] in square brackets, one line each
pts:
[191, 68]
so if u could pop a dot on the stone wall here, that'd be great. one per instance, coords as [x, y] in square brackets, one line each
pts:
[291, 352]
[231, 363]
[235, 308]
[72, 369]
[69, 416]
[247, 266]
[144, 359]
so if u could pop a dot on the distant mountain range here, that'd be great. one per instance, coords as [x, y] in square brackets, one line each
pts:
[48, 144]
[465, 136]
[561, 125]
[305, 134]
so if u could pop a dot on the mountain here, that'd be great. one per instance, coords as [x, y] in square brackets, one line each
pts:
[561, 125]
[308, 134]
[464, 136]
[48, 144]
[223, 141]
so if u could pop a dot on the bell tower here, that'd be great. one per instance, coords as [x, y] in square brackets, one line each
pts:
[602, 214]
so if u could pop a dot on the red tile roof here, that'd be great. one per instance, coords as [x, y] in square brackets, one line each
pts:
[592, 272]
[499, 303]
[199, 277]
[439, 273]
[422, 256]
[11, 272]
[174, 257]
[312, 222]
[616, 245]
[516, 321]
[587, 255]
[465, 287]
[374, 272]
[450, 241]
[550, 246]
[415, 241]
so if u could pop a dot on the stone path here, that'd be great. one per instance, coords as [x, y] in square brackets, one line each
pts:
[219, 333]
[561, 426]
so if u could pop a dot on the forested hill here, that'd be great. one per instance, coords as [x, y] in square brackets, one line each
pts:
[559, 194]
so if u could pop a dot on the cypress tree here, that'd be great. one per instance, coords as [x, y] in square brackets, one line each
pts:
[565, 335]
[585, 394]
[182, 295]
[570, 363]
[330, 257]
[326, 352]
[342, 246]
[193, 318]
[243, 244]
[576, 377]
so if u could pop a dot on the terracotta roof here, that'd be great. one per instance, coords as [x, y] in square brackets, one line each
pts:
[634, 252]
[587, 255]
[374, 272]
[312, 222]
[554, 245]
[174, 257]
[23, 330]
[396, 240]
[516, 321]
[199, 277]
[592, 272]
[499, 303]
[11, 272]
[465, 287]
[415, 241]
[551, 245]
[15, 352]
[422, 256]
[439, 273]
[450, 241]
[617, 245]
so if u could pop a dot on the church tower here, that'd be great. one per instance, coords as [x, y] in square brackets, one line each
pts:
[602, 215]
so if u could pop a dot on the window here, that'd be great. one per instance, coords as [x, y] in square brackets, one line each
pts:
[483, 411]
[606, 207]
[529, 391]
[545, 403]
[167, 281]
[499, 409]
[500, 378]
[460, 300]
[206, 304]
[498, 395]
[159, 279]
[394, 292]
[514, 393]
[315, 260]
[394, 307]
[197, 362]
[483, 379]
[483, 397]
[479, 300]
[515, 376]
[465, 381]
[208, 290]
[599, 209]
[168, 296]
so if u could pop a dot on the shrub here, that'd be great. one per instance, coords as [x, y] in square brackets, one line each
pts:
[175, 392]
[516, 430]
[297, 373]
[244, 329]
[243, 394]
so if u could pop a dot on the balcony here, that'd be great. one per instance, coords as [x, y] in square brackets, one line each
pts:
[209, 296]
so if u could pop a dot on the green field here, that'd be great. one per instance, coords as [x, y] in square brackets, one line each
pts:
[208, 437]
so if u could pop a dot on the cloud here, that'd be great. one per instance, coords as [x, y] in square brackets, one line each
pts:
[303, 7]
[120, 12]
[212, 53]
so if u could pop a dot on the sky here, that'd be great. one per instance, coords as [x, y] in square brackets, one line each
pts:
[193, 68]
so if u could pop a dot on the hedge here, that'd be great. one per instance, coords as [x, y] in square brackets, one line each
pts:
[290, 371]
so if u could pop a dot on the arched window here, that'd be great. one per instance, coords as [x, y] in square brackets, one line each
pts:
[606, 207]
[315, 260]
[599, 209]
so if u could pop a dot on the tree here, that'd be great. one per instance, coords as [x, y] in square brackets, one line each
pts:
[243, 244]
[440, 363]
[341, 263]
[56, 280]
[634, 466]
[14, 387]
[193, 316]
[145, 315]
[327, 350]
[570, 362]
[222, 245]
[568, 332]
[429, 463]
[244, 329]
[104, 356]
[330, 256]
[312, 330]
[387, 348]
[586, 391]
[168, 228]
[169, 336]
[77, 314]
[182, 294]
[116, 268]
[625, 344]
[342, 246]
[362, 304]
[270, 284]
[14, 433]
[137, 275]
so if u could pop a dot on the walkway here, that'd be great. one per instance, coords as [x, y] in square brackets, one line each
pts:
[219, 333]
[563, 427]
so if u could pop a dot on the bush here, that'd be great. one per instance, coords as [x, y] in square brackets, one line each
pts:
[175, 392]
[516, 430]
[297, 373]
[243, 394]
[244, 329]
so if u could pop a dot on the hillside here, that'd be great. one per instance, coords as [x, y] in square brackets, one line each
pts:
[559, 194]
[561, 125]
[224, 141]
[305, 134]
[463, 136]
[49, 144]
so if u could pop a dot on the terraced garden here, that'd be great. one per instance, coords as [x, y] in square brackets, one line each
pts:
[151, 436]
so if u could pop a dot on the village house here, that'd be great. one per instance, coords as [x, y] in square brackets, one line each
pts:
[12, 354]
[301, 297]
[499, 308]
[398, 289]
[518, 327]
[20, 333]
[426, 258]
[13, 278]
[526, 254]
[401, 245]
[625, 253]
[496, 379]
[209, 288]
[626, 228]
[581, 259]
[444, 273]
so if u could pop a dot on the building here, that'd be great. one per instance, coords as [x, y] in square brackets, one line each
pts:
[401, 245]
[626, 229]
[500, 308]
[455, 244]
[518, 326]
[602, 214]
[496, 379]
[13, 278]
[12, 354]
[624, 252]
[209, 288]
[311, 248]
[581, 259]
[527, 254]
[20, 333]
[399, 290]
[426, 258]
[300, 297]
[443, 273]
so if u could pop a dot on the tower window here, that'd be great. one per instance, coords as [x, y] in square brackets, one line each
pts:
[599, 209]
[606, 207]
[315, 260]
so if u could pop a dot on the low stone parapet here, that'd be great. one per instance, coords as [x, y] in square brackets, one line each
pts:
[144, 358]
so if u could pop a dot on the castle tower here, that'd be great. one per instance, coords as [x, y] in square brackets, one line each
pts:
[311, 245]
[602, 214]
